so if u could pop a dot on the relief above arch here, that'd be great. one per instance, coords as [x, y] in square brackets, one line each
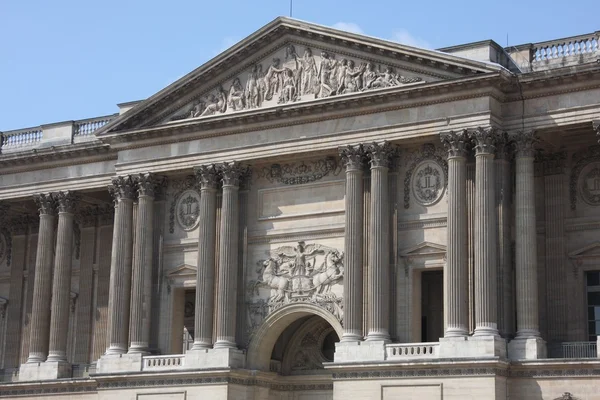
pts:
[304, 273]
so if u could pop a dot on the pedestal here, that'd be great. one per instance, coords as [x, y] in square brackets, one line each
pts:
[215, 358]
[532, 348]
[473, 347]
[119, 363]
[373, 350]
[44, 371]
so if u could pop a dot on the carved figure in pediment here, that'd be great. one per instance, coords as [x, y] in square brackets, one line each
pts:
[327, 77]
[351, 79]
[308, 73]
[273, 79]
[197, 109]
[236, 100]
[218, 103]
[288, 91]
[253, 98]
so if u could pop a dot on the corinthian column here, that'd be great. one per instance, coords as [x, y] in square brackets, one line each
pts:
[42, 284]
[486, 289]
[380, 156]
[228, 256]
[205, 277]
[123, 192]
[353, 157]
[525, 241]
[61, 290]
[141, 280]
[456, 273]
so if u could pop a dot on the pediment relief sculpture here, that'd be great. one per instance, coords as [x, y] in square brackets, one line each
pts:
[294, 73]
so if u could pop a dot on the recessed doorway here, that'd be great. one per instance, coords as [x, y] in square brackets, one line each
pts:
[432, 306]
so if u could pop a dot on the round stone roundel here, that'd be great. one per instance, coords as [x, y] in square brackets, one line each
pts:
[589, 184]
[428, 182]
[188, 210]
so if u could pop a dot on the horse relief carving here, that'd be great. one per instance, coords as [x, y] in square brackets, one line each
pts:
[310, 273]
[289, 77]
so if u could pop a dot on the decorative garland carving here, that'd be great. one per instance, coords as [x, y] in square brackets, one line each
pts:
[188, 210]
[300, 172]
[417, 158]
[178, 187]
[580, 160]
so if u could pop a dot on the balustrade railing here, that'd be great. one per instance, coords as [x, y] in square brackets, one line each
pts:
[579, 350]
[14, 140]
[412, 350]
[155, 363]
[88, 126]
[568, 47]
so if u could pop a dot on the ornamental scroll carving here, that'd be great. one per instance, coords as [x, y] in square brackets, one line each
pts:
[426, 175]
[300, 172]
[584, 178]
[305, 273]
[293, 74]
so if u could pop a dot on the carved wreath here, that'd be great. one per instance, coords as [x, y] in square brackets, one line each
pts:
[428, 195]
[581, 160]
[188, 219]
[427, 152]
[590, 196]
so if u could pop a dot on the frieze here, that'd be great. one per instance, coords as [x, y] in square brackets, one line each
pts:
[290, 76]
[580, 161]
[550, 163]
[300, 172]
[423, 164]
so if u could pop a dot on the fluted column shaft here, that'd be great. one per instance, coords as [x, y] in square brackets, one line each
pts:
[61, 288]
[141, 279]
[379, 255]
[119, 298]
[228, 257]
[525, 241]
[486, 289]
[205, 278]
[456, 272]
[42, 284]
[353, 157]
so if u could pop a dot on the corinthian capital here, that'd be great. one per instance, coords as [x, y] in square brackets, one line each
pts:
[353, 157]
[484, 140]
[523, 141]
[381, 154]
[207, 176]
[123, 187]
[149, 184]
[67, 201]
[232, 173]
[456, 142]
[46, 203]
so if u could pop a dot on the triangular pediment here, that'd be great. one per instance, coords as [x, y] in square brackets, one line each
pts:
[289, 62]
[424, 249]
[590, 251]
[184, 270]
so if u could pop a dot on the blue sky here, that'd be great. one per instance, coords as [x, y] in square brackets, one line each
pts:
[64, 60]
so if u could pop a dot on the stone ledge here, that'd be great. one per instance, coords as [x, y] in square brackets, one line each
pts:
[44, 371]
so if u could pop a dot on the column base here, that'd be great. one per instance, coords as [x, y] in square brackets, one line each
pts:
[359, 351]
[215, 358]
[472, 347]
[44, 371]
[117, 363]
[532, 348]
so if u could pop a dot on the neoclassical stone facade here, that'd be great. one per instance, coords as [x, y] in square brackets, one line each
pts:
[314, 214]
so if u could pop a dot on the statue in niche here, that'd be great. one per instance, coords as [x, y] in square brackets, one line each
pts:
[218, 103]
[236, 95]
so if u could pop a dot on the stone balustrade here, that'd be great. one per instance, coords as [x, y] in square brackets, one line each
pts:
[59, 134]
[567, 47]
[412, 350]
[163, 363]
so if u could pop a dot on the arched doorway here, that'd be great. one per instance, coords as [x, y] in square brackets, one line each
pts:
[285, 332]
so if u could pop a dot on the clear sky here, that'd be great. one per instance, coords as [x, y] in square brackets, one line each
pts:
[72, 59]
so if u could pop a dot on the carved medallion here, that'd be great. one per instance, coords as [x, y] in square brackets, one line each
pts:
[188, 210]
[428, 182]
[589, 184]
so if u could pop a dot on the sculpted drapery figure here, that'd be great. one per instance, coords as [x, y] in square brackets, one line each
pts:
[294, 78]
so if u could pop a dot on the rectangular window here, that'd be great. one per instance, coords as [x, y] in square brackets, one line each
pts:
[593, 304]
